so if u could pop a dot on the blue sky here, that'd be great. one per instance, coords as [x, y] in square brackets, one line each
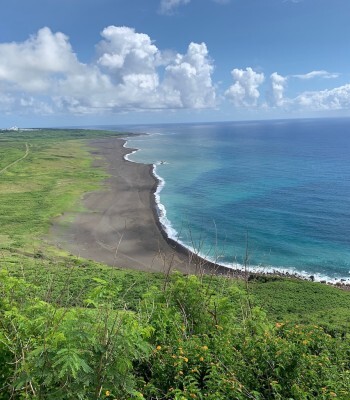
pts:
[86, 62]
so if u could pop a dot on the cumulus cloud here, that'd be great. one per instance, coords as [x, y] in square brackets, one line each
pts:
[130, 60]
[317, 74]
[125, 51]
[44, 75]
[277, 88]
[130, 73]
[330, 99]
[133, 60]
[29, 65]
[188, 80]
[245, 90]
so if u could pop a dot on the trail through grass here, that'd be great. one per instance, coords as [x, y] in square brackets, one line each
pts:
[16, 161]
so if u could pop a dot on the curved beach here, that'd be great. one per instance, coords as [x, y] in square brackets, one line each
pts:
[120, 224]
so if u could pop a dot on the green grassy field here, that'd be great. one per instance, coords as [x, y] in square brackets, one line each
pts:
[49, 180]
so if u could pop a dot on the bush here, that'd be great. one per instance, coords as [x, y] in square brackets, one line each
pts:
[67, 353]
[206, 345]
[186, 341]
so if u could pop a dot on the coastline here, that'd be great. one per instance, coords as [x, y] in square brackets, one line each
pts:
[121, 226]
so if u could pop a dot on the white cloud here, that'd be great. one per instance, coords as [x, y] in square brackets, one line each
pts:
[277, 88]
[129, 60]
[322, 100]
[126, 52]
[126, 76]
[330, 99]
[168, 6]
[317, 74]
[244, 92]
[43, 75]
[31, 64]
[188, 79]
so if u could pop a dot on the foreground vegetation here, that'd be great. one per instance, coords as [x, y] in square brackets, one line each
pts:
[184, 341]
[75, 329]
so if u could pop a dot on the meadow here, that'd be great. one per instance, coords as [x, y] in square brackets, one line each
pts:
[74, 328]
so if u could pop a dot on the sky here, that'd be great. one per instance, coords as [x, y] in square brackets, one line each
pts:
[103, 62]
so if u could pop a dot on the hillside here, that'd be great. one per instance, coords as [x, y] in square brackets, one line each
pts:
[75, 328]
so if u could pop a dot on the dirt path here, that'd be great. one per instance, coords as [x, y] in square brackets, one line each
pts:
[16, 161]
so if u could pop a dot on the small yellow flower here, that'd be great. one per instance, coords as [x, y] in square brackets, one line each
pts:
[108, 393]
[181, 373]
[205, 347]
[185, 359]
[159, 347]
[201, 359]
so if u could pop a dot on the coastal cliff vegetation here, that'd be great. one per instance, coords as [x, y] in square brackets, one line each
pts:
[72, 328]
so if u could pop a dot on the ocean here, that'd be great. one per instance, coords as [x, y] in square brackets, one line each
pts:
[272, 194]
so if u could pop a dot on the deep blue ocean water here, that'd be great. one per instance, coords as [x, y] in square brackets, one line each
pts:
[276, 190]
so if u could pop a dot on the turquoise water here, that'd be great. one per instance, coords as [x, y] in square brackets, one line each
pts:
[278, 191]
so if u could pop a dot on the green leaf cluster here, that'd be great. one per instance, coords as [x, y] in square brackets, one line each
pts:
[187, 339]
[66, 353]
[212, 345]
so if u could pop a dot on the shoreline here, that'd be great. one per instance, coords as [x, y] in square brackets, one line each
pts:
[143, 244]
[120, 225]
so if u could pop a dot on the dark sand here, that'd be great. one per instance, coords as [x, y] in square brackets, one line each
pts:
[120, 226]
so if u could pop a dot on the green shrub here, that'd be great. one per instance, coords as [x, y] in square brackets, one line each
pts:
[185, 341]
[209, 346]
[61, 353]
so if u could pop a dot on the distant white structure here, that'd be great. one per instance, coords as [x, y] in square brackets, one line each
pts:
[13, 128]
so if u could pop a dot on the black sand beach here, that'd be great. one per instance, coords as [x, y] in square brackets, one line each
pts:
[120, 226]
